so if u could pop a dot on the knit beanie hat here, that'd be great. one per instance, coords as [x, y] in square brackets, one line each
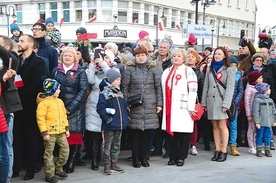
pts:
[142, 34]
[256, 55]
[192, 38]
[81, 30]
[166, 35]
[253, 76]
[49, 20]
[129, 49]
[209, 48]
[262, 87]
[234, 59]
[112, 75]
[50, 86]
[112, 45]
[110, 55]
[14, 27]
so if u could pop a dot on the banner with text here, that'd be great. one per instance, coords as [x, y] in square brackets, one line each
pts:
[200, 31]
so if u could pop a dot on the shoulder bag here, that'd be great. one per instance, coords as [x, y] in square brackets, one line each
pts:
[231, 112]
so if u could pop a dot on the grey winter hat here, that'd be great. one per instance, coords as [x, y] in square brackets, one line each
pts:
[112, 75]
[256, 55]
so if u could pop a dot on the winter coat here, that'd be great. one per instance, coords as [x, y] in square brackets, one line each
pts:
[249, 95]
[166, 63]
[184, 93]
[267, 78]
[48, 54]
[211, 99]
[200, 82]
[107, 99]
[92, 118]
[134, 78]
[73, 87]
[32, 71]
[245, 59]
[238, 91]
[10, 100]
[3, 123]
[55, 36]
[51, 115]
[264, 111]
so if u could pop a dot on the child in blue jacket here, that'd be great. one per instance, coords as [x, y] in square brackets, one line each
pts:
[112, 109]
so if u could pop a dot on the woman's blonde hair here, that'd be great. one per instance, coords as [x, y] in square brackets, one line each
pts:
[183, 52]
[71, 50]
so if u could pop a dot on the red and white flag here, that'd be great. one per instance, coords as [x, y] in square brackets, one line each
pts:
[39, 21]
[61, 22]
[177, 27]
[134, 21]
[18, 82]
[14, 21]
[161, 25]
[94, 18]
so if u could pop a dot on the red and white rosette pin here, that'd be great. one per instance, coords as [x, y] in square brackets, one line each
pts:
[219, 76]
[177, 77]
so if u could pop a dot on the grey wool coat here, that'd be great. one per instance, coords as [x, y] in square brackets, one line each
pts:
[211, 98]
[134, 77]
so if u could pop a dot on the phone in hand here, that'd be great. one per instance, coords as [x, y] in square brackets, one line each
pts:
[99, 53]
[242, 42]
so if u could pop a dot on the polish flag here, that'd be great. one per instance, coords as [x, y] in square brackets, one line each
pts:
[61, 22]
[160, 25]
[18, 82]
[94, 18]
[14, 21]
[177, 27]
[38, 21]
[134, 22]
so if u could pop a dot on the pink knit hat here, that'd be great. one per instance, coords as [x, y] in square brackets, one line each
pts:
[192, 38]
[142, 34]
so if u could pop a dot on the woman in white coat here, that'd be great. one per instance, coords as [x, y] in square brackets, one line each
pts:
[179, 84]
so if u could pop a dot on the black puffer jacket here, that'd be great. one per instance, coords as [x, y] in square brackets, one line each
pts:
[74, 86]
[200, 82]
[134, 77]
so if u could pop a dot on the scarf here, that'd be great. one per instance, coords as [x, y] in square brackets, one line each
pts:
[218, 65]
[168, 99]
[257, 68]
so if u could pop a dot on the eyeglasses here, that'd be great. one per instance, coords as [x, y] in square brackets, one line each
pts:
[36, 29]
[258, 60]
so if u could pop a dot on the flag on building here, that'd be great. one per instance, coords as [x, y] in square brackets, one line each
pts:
[39, 21]
[14, 21]
[94, 18]
[61, 22]
[161, 25]
[134, 21]
[177, 27]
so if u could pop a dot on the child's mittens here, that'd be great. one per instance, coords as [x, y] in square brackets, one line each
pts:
[46, 137]
[258, 126]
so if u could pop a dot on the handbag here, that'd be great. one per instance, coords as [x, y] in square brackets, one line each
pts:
[231, 112]
[138, 99]
[199, 111]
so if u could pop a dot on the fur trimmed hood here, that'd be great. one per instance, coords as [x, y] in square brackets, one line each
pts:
[150, 63]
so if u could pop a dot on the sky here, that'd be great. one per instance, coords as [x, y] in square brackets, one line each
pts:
[266, 13]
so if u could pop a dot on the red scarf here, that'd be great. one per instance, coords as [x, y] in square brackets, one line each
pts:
[168, 99]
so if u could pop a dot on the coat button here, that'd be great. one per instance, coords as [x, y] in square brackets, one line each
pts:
[213, 96]
[214, 86]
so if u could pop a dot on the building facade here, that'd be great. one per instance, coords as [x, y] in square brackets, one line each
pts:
[121, 21]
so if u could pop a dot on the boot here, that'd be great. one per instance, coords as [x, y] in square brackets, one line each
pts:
[267, 151]
[87, 139]
[96, 154]
[69, 167]
[234, 151]
[78, 161]
[259, 151]
[222, 157]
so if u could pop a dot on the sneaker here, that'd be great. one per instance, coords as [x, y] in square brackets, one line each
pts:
[116, 168]
[61, 175]
[272, 145]
[107, 171]
[252, 150]
[193, 151]
[52, 179]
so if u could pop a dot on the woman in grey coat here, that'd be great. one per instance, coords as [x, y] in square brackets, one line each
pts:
[215, 105]
[139, 75]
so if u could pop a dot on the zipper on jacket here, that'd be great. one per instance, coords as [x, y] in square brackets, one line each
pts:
[58, 117]
[267, 105]
[121, 119]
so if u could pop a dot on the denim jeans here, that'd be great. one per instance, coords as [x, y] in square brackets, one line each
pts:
[9, 119]
[4, 158]
[233, 130]
[263, 135]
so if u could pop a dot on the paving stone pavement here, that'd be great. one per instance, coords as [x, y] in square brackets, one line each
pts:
[197, 169]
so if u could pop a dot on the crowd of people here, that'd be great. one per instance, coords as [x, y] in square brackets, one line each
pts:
[58, 99]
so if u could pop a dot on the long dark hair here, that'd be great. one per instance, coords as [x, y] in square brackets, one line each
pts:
[227, 62]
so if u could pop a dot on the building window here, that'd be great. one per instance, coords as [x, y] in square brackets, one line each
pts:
[18, 8]
[173, 18]
[66, 11]
[41, 9]
[135, 12]
[92, 8]
[238, 3]
[146, 15]
[122, 11]
[78, 9]
[54, 11]
[189, 18]
[246, 4]
[182, 19]
[107, 10]
[165, 20]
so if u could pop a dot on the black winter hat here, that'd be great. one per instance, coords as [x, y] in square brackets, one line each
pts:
[81, 30]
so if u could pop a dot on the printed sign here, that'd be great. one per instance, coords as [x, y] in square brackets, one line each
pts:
[200, 31]
[115, 32]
